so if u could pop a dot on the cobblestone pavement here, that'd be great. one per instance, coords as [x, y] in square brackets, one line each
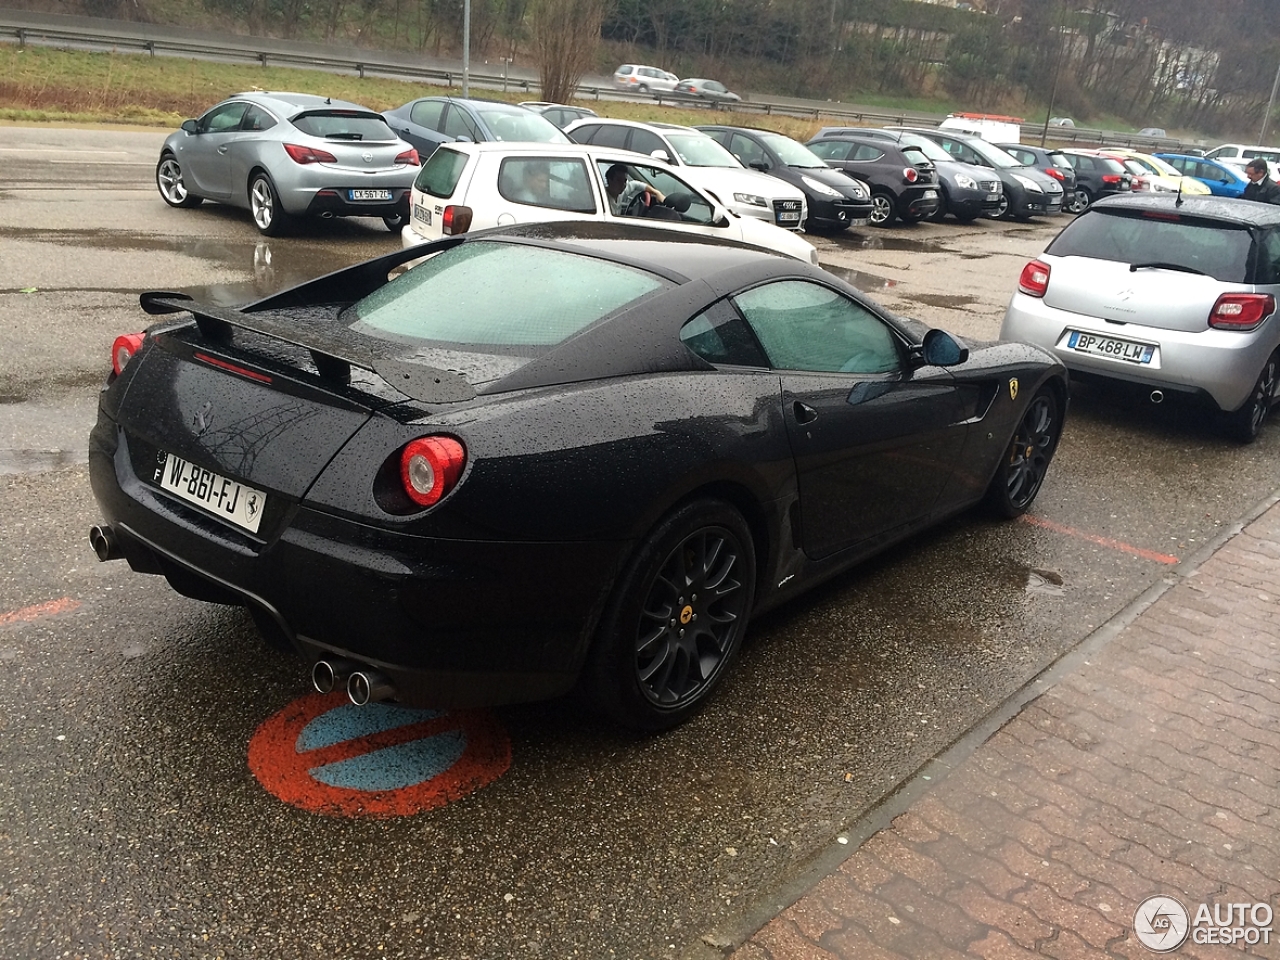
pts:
[1146, 763]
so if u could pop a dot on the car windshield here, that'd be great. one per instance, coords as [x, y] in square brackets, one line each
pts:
[1210, 247]
[343, 125]
[791, 153]
[452, 299]
[523, 126]
[926, 146]
[1156, 165]
[699, 150]
[994, 155]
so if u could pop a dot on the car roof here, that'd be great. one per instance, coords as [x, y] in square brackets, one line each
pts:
[287, 103]
[656, 126]
[1225, 209]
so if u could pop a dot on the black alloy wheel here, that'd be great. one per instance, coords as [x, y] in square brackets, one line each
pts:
[1021, 472]
[676, 618]
[1246, 423]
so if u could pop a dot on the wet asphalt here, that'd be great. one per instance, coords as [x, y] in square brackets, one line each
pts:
[131, 824]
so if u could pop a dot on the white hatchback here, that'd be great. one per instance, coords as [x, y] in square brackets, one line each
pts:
[472, 186]
[703, 162]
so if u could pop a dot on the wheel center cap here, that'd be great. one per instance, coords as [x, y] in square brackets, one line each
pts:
[686, 614]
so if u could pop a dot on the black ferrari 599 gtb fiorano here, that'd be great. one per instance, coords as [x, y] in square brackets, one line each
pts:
[546, 457]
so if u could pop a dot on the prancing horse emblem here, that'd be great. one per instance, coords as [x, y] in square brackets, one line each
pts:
[1013, 388]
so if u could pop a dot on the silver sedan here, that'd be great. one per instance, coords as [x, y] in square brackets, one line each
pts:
[288, 155]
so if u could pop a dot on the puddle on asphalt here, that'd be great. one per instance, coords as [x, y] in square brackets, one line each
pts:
[873, 241]
[1045, 583]
[866, 282]
[943, 299]
[39, 461]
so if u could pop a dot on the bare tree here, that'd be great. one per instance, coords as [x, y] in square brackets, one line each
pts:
[565, 35]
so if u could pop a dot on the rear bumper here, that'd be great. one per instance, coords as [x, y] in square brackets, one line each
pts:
[337, 202]
[1221, 364]
[452, 623]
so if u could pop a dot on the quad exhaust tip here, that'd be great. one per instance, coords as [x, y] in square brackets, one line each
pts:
[369, 686]
[329, 675]
[103, 540]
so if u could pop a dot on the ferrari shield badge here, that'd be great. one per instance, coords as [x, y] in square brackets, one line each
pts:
[1013, 388]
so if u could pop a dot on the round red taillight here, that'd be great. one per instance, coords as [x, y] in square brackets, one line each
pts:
[430, 468]
[124, 348]
[911, 174]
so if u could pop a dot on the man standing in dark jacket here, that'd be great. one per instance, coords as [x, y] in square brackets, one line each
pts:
[1260, 187]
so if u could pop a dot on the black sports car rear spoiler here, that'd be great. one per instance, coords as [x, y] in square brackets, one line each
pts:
[334, 348]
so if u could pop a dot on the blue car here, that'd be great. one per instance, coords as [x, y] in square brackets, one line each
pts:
[1222, 179]
[430, 121]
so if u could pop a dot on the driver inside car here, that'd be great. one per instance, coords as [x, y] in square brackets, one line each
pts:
[627, 197]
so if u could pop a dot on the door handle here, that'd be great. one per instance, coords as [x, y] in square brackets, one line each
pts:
[222, 149]
[803, 412]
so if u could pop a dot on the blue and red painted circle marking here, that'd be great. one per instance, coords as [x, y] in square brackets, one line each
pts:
[326, 755]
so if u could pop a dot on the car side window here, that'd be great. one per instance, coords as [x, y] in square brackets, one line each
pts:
[805, 326]
[830, 149]
[255, 118]
[223, 118]
[585, 133]
[720, 336]
[1022, 156]
[746, 150]
[673, 188]
[865, 153]
[611, 136]
[427, 113]
[642, 141]
[457, 123]
[554, 182]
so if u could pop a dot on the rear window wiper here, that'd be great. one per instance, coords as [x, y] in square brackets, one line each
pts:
[1164, 265]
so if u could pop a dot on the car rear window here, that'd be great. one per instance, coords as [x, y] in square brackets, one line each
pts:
[439, 175]
[1210, 247]
[343, 125]
[452, 299]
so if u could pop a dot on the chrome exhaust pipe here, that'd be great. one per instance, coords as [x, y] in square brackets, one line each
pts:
[368, 686]
[104, 543]
[1157, 396]
[328, 675]
[326, 214]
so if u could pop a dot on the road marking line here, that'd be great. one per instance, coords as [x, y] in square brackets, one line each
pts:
[1100, 541]
[48, 609]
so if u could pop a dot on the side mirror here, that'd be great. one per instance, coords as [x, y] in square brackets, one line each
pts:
[463, 139]
[660, 155]
[189, 126]
[941, 349]
[761, 165]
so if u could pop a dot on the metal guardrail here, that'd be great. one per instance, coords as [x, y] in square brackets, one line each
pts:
[45, 29]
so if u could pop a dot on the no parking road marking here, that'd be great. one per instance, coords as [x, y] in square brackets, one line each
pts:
[326, 755]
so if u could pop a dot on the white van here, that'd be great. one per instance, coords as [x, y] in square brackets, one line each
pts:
[989, 126]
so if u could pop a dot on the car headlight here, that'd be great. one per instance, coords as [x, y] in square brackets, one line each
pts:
[1029, 183]
[967, 183]
[1159, 186]
[818, 186]
[751, 200]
